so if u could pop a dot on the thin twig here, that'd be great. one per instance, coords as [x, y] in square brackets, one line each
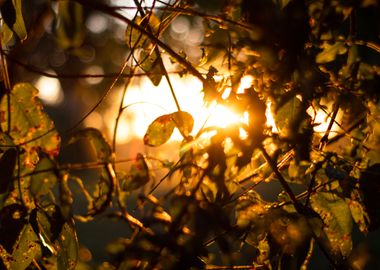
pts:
[282, 180]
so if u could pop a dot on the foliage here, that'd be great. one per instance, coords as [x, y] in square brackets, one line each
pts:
[305, 58]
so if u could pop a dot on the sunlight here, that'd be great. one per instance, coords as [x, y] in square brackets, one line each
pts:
[144, 102]
[49, 90]
[322, 120]
[270, 119]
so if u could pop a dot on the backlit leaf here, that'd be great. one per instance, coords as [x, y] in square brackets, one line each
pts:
[330, 52]
[138, 174]
[150, 62]
[97, 141]
[337, 219]
[159, 131]
[11, 11]
[69, 247]
[44, 177]
[41, 225]
[28, 120]
[133, 36]
[183, 121]
[359, 215]
[26, 249]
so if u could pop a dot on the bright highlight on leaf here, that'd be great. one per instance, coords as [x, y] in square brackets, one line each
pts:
[161, 129]
[28, 121]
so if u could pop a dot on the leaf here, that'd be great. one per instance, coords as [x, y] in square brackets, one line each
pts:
[6, 34]
[287, 114]
[184, 122]
[337, 219]
[161, 129]
[26, 249]
[133, 37]
[28, 120]
[138, 175]
[41, 225]
[58, 236]
[264, 253]
[284, 3]
[251, 213]
[97, 141]
[7, 166]
[11, 11]
[150, 62]
[70, 25]
[44, 177]
[107, 177]
[330, 52]
[359, 215]
[69, 247]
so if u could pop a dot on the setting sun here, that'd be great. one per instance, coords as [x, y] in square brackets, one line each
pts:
[144, 102]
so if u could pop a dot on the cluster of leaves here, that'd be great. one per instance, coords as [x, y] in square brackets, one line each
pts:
[304, 56]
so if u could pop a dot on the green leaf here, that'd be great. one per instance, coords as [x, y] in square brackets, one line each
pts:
[161, 129]
[150, 62]
[41, 225]
[11, 11]
[97, 141]
[44, 177]
[26, 249]
[7, 166]
[330, 52]
[69, 247]
[337, 219]
[28, 120]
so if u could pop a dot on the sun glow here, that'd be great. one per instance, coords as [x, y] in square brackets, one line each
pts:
[144, 102]
[322, 118]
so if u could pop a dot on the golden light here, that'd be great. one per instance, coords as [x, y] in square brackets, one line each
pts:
[144, 102]
[322, 118]
[270, 119]
[49, 90]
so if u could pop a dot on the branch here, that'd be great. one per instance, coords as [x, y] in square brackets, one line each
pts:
[111, 11]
